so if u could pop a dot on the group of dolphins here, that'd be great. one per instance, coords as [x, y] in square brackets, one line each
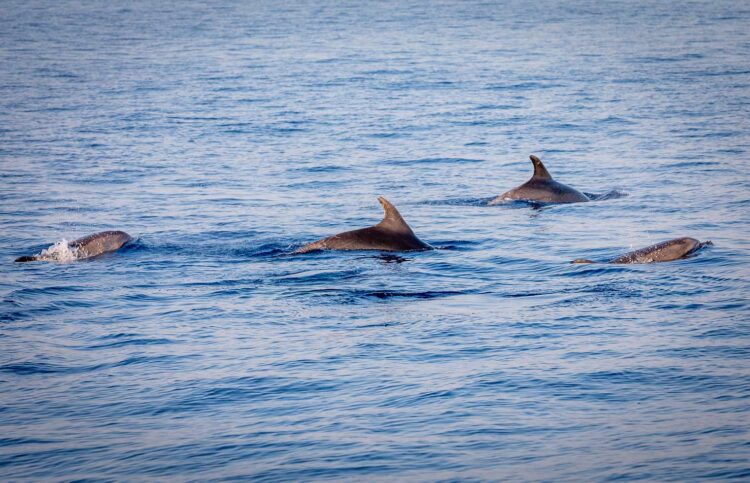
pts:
[394, 234]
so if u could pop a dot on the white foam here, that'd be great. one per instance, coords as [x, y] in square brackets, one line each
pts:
[59, 252]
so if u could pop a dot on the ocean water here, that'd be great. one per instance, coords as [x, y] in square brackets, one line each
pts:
[223, 135]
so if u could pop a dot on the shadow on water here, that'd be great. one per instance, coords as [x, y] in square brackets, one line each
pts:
[389, 258]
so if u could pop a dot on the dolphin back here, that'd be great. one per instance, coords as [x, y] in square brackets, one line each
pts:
[665, 251]
[541, 188]
[391, 234]
[98, 243]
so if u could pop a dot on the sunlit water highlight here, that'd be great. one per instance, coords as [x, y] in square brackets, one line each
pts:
[223, 136]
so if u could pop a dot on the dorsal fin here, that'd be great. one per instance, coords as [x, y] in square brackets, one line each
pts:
[540, 172]
[392, 219]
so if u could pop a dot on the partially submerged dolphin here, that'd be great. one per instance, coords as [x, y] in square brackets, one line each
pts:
[391, 234]
[661, 252]
[86, 247]
[542, 188]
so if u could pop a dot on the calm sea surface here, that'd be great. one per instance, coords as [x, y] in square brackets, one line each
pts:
[223, 135]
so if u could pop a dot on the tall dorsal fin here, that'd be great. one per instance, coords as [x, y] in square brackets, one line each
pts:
[392, 219]
[540, 171]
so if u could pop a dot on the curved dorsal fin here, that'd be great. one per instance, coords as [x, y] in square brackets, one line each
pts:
[540, 171]
[392, 219]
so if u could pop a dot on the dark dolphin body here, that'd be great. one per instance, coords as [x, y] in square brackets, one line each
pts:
[541, 188]
[661, 252]
[391, 234]
[90, 246]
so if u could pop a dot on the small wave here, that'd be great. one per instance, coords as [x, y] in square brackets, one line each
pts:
[28, 368]
[129, 342]
[524, 86]
[386, 72]
[455, 245]
[692, 164]
[263, 250]
[496, 107]
[320, 169]
[609, 195]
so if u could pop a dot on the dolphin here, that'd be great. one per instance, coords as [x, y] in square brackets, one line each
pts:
[392, 234]
[542, 188]
[661, 252]
[86, 247]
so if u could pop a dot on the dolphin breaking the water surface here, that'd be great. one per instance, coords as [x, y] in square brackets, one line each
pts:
[391, 234]
[541, 188]
[665, 251]
[86, 247]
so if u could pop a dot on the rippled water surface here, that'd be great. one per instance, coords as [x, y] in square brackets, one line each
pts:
[222, 136]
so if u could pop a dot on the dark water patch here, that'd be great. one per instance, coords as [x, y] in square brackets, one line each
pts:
[265, 250]
[387, 135]
[250, 389]
[496, 107]
[224, 282]
[31, 368]
[130, 342]
[692, 164]
[32, 314]
[617, 121]
[30, 293]
[712, 351]
[10, 441]
[44, 368]
[596, 269]
[718, 73]
[386, 72]
[253, 100]
[321, 169]
[663, 59]
[741, 331]
[315, 185]
[318, 275]
[524, 86]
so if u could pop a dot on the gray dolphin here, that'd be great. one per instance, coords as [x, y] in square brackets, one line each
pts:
[542, 188]
[391, 234]
[661, 252]
[86, 247]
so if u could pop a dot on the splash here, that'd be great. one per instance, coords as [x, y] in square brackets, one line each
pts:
[59, 252]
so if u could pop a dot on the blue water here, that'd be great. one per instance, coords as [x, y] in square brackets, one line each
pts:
[222, 136]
